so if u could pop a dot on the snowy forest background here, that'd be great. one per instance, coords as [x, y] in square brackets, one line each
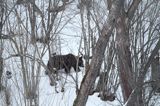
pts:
[118, 39]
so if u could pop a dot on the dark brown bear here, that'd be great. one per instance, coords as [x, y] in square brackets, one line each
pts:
[57, 62]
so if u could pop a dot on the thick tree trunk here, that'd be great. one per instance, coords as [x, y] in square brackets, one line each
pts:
[92, 73]
[124, 57]
[98, 54]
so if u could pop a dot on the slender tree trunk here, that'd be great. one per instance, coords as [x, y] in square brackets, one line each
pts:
[1, 43]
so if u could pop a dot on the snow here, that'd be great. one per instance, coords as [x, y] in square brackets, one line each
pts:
[48, 96]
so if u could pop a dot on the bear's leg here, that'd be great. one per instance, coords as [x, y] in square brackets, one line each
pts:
[67, 69]
[76, 69]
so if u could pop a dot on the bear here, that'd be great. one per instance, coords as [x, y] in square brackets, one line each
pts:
[57, 62]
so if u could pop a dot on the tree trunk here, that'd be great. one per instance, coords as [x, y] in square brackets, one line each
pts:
[124, 57]
[123, 50]
[1, 45]
[98, 54]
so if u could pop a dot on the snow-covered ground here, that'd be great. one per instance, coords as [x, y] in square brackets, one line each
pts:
[47, 94]
[66, 98]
